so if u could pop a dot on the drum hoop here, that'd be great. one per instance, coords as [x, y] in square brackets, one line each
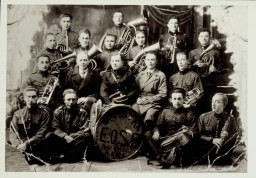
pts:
[100, 119]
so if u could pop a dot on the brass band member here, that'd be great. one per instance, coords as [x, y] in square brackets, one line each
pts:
[118, 28]
[50, 47]
[71, 134]
[84, 80]
[173, 41]
[213, 55]
[118, 84]
[103, 59]
[218, 130]
[40, 78]
[30, 124]
[174, 118]
[140, 39]
[185, 78]
[84, 39]
[66, 34]
[153, 90]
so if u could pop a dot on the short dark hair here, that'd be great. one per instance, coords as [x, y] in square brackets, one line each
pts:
[86, 31]
[173, 17]
[182, 53]
[151, 52]
[203, 29]
[68, 91]
[178, 90]
[109, 34]
[30, 88]
[42, 55]
[66, 15]
[118, 12]
[48, 34]
[116, 53]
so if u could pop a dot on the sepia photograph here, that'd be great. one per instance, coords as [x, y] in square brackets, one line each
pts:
[125, 88]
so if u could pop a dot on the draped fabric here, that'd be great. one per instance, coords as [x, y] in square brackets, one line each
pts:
[161, 15]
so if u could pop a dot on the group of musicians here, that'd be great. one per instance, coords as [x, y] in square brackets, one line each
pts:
[162, 83]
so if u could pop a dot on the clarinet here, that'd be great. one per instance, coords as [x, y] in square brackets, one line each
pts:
[224, 131]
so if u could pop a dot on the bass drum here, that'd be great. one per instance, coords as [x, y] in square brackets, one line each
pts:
[118, 133]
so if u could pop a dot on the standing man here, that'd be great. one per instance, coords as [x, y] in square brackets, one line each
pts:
[186, 78]
[117, 29]
[66, 36]
[218, 130]
[71, 134]
[199, 57]
[30, 124]
[173, 41]
[175, 123]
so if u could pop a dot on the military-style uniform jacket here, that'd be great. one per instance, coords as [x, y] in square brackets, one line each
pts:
[172, 119]
[84, 87]
[36, 122]
[72, 38]
[70, 122]
[133, 52]
[38, 80]
[103, 59]
[153, 88]
[181, 40]
[124, 82]
[195, 54]
[210, 125]
[52, 53]
[116, 30]
[186, 80]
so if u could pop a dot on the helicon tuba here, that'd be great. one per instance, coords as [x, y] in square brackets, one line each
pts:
[139, 60]
[127, 36]
[207, 60]
[62, 63]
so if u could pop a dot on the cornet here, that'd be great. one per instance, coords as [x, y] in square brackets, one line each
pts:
[170, 48]
[48, 91]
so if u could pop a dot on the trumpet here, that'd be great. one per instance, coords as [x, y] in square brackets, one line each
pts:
[48, 91]
[139, 60]
[206, 60]
[170, 48]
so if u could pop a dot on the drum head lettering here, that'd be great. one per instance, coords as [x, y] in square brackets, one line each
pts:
[119, 133]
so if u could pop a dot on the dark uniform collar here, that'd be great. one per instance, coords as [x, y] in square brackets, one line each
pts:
[121, 71]
[184, 71]
[33, 109]
[119, 26]
[50, 50]
[43, 73]
[219, 116]
[204, 47]
[72, 110]
[173, 33]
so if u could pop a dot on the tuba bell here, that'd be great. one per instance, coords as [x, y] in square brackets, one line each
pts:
[62, 63]
[138, 63]
[206, 61]
[93, 52]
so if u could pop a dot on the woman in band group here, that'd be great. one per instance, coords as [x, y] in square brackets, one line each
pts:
[118, 84]
[153, 89]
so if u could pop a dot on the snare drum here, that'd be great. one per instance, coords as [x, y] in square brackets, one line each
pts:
[118, 132]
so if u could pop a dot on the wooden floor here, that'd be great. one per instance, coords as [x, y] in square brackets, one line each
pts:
[14, 162]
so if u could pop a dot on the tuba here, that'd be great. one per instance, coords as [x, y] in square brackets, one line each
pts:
[62, 63]
[48, 91]
[191, 97]
[139, 60]
[93, 52]
[206, 60]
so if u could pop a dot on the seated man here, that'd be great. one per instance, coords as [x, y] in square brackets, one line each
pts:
[185, 78]
[175, 127]
[84, 81]
[118, 84]
[152, 91]
[218, 131]
[71, 134]
[29, 125]
[40, 78]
